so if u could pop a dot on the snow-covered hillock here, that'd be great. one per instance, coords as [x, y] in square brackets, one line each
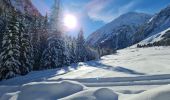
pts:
[160, 93]
[43, 91]
[96, 94]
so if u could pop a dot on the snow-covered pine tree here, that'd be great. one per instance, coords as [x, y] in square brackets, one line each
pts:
[44, 34]
[52, 56]
[43, 40]
[3, 21]
[66, 51]
[56, 54]
[73, 51]
[46, 60]
[9, 66]
[56, 17]
[35, 41]
[80, 47]
[25, 47]
[28, 25]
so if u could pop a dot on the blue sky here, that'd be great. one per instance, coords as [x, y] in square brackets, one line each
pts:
[93, 14]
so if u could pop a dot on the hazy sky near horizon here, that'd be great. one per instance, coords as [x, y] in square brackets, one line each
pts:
[93, 14]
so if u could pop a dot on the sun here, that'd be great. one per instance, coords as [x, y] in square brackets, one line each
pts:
[70, 21]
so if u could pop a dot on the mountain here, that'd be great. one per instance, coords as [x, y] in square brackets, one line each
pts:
[158, 23]
[23, 6]
[117, 33]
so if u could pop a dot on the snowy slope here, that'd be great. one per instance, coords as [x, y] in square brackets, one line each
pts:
[132, 73]
[127, 23]
[157, 37]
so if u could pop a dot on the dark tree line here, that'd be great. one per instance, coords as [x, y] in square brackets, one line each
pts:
[165, 42]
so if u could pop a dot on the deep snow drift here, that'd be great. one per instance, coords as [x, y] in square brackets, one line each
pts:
[43, 91]
[130, 74]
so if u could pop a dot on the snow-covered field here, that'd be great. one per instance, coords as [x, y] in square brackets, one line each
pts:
[131, 74]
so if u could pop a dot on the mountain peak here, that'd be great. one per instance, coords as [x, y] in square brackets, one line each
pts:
[126, 23]
[132, 18]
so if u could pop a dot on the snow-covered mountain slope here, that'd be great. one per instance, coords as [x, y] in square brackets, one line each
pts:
[157, 24]
[23, 6]
[162, 36]
[122, 27]
[130, 74]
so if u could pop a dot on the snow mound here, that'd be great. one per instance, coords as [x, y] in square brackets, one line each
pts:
[161, 93]
[45, 91]
[105, 94]
[99, 94]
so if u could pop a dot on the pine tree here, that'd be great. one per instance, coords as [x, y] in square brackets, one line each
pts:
[65, 51]
[80, 47]
[25, 48]
[10, 65]
[56, 54]
[56, 17]
[52, 56]
[43, 41]
[4, 18]
[35, 41]
[73, 51]
[44, 34]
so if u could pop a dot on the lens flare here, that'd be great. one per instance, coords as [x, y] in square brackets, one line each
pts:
[70, 21]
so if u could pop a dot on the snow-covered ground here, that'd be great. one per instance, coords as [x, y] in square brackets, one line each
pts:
[130, 74]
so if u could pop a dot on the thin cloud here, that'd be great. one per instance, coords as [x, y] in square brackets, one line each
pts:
[124, 9]
[95, 9]
[99, 11]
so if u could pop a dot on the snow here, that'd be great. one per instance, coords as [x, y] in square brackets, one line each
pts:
[130, 74]
[160, 93]
[154, 38]
[99, 94]
[44, 90]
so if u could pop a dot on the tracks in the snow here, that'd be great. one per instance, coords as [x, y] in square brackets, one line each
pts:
[124, 81]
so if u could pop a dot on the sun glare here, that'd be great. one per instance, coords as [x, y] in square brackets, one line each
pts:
[70, 21]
